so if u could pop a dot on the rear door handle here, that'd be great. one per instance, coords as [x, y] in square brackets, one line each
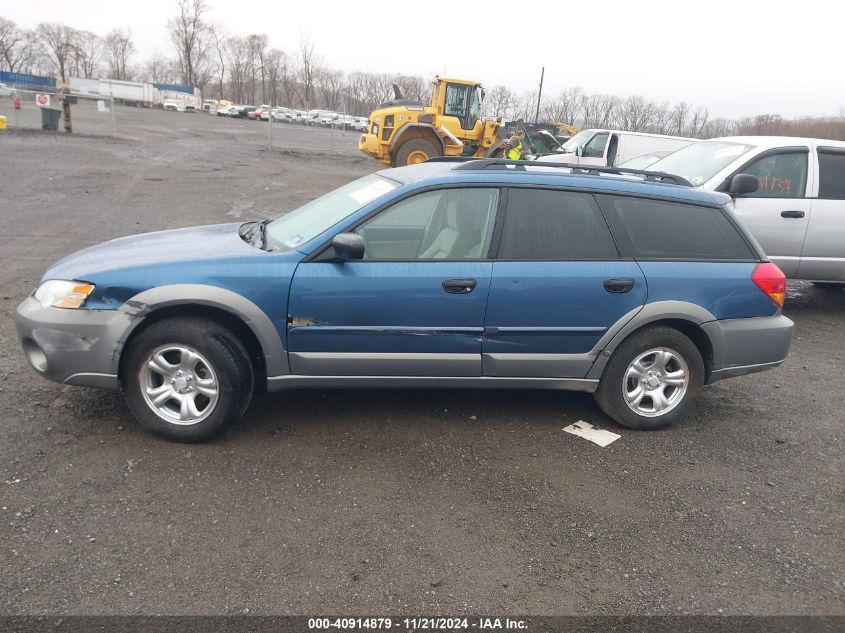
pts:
[792, 214]
[459, 286]
[618, 285]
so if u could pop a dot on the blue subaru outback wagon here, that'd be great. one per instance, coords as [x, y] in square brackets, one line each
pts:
[468, 274]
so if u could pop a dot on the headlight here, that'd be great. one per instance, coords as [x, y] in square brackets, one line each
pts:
[57, 293]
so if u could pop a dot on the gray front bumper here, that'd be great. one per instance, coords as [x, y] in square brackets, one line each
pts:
[75, 347]
[745, 346]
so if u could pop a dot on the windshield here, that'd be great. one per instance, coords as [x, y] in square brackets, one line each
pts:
[641, 162]
[699, 162]
[577, 141]
[308, 221]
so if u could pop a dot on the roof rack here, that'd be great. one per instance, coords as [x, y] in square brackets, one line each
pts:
[470, 163]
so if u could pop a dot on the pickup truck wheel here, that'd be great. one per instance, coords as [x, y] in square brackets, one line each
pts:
[415, 151]
[652, 380]
[187, 379]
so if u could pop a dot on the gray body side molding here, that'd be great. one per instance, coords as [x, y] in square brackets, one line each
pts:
[198, 294]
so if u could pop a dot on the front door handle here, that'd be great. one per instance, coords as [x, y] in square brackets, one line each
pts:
[792, 214]
[459, 286]
[618, 285]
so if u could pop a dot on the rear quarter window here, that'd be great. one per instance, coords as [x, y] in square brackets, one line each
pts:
[663, 229]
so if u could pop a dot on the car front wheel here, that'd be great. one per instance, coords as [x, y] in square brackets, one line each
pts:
[187, 379]
[652, 380]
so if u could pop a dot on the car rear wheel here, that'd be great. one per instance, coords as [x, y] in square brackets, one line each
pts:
[652, 380]
[187, 379]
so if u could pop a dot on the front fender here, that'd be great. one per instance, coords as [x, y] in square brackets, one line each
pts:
[146, 302]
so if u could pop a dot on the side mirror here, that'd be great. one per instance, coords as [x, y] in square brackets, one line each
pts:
[579, 151]
[348, 246]
[742, 184]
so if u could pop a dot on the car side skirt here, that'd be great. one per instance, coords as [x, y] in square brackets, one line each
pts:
[280, 383]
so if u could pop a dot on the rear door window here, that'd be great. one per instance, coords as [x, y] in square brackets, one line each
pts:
[546, 224]
[663, 229]
[832, 173]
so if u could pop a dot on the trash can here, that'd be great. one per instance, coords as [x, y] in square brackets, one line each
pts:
[50, 118]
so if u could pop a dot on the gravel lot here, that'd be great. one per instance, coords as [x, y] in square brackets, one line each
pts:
[371, 502]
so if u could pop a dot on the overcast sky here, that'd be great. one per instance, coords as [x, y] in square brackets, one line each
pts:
[736, 58]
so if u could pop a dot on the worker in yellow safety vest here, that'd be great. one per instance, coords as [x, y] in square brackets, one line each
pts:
[513, 146]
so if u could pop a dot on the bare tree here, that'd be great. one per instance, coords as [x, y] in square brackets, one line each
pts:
[329, 87]
[58, 46]
[218, 40]
[255, 45]
[501, 101]
[190, 35]
[698, 121]
[118, 49]
[87, 53]
[159, 70]
[18, 48]
[599, 110]
[308, 65]
[678, 118]
[238, 57]
[565, 108]
[275, 61]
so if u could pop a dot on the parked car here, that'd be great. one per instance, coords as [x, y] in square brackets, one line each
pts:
[278, 114]
[225, 110]
[640, 292]
[6, 91]
[319, 118]
[241, 111]
[174, 106]
[361, 124]
[343, 122]
[794, 204]
[612, 147]
[645, 161]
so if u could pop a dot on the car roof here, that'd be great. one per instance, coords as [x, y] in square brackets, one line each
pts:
[445, 173]
[775, 141]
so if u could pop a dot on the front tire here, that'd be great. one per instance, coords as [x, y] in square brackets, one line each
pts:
[415, 151]
[652, 380]
[187, 379]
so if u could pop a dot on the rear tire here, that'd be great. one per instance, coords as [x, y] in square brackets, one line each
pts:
[415, 151]
[187, 379]
[652, 380]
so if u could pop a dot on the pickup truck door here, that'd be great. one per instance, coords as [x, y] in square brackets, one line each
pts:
[823, 256]
[778, 213]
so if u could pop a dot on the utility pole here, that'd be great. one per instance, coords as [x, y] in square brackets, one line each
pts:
[539, 95]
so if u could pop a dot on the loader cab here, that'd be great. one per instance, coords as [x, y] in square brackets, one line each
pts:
[460, 104]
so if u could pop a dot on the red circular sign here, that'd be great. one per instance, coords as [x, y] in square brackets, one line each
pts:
[42, 99]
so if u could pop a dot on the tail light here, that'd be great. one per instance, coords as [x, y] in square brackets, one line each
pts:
[771, 280]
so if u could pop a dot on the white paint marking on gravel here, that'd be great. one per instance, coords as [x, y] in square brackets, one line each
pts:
[590, 432]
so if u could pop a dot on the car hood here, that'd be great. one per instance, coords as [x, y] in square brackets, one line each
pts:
[215, 242]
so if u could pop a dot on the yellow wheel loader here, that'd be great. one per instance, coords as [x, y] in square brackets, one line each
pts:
[405, 132]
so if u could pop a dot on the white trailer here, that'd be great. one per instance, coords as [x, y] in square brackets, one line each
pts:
[128, 92]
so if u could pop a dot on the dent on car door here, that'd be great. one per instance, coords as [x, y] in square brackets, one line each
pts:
[558, 286]
[823, 256]
[414, 306]
[778, 213]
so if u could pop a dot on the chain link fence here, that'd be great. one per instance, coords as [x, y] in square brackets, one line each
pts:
[23, 111]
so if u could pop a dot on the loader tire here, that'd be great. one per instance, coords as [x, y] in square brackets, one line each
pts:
[415, 151]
